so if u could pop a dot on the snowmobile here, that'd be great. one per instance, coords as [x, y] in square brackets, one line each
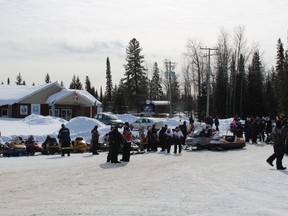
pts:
[50, 146]
[79, 145]
[3, 148]
[16, 147]
[200, 138]
[104, 146]
[32, 146]
[226, 142]
[134, 145]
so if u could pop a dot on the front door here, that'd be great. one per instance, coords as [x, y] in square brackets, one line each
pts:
[66, 114]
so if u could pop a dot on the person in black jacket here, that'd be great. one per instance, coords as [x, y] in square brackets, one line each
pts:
[184, 131]
[216, 122]
[168, 139]
[162, 138]
[279, 135]
[115, 140]
[64, 140]
[94, 140]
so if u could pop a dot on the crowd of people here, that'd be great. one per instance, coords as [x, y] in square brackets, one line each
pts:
[262, 129]
[252, 130]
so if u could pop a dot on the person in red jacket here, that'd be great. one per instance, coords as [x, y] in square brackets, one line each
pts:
[127, 137]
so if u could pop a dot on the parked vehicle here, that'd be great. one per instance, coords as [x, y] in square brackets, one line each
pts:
[50, 146]
[200, 137]
[225, 142]
[16, 147]
[32, 145]
[215, 141]
[3, 147]
[134, 145]
[109, 119]
[79, 145]
[145, 123]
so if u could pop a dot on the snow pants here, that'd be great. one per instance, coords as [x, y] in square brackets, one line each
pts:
[278, 155]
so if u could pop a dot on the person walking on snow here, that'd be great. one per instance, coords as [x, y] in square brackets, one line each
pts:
[279, 134]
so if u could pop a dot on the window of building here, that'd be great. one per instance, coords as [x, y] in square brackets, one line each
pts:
[4, 112]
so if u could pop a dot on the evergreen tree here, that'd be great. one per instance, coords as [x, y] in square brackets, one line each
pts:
[8, 81]
[284, 90]
[47, 78]
[88, 85]
[119, 99]
[109, 85]
[75, 83]
[240, 86]
[93, 92]
[134, 80]
[270, 96]
[101, 94]
[19, 80]
[232, 85]
[255, 86]
[221, 86]
[175, 89]
[156, 90]
[281, 71]
[79, 84]
[97, 95]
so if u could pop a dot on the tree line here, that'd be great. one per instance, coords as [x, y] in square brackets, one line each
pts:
[238, 82]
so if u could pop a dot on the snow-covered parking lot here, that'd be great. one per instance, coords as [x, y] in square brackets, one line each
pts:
[236, 182]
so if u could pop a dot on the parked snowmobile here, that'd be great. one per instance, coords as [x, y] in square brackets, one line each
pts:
[134, 146]
[50, 146]
[16, 147]
[200, 138]
[225, 142]
[3, 148]
[79, 145]
[32, 145]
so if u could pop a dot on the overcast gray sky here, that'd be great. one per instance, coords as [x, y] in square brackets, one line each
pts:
[67, 37]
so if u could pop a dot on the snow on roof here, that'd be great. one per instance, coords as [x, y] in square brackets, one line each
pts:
[10, 94]
[65, 92]
[160, 102]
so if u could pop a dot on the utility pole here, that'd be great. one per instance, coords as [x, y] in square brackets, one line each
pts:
[208, 79]
[169, 66]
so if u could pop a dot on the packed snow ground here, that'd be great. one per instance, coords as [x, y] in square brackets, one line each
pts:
[236, 182]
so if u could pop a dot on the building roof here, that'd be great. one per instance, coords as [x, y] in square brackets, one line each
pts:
[10, 94]
[159, 103]
[76, 93]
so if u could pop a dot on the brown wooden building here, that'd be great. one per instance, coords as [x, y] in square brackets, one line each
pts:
[155, 108]
[47, 99]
